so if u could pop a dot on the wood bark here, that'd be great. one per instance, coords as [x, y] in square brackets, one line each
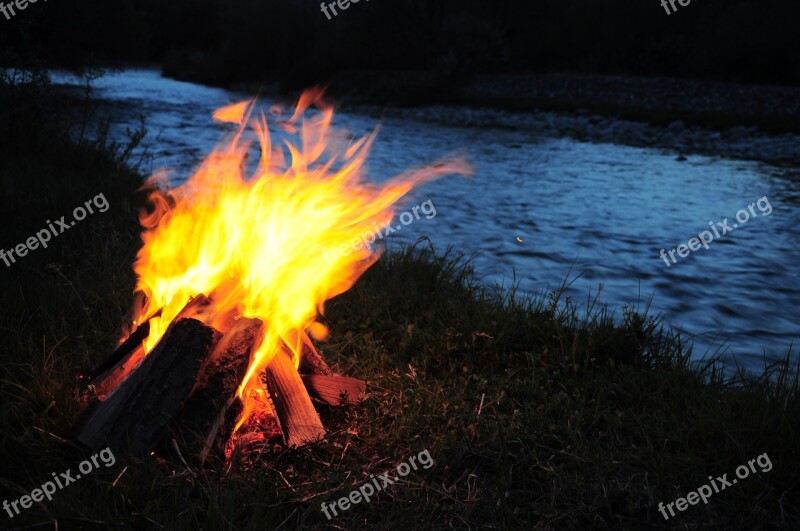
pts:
[204, 417]
[120, 364]
[310, 361]
[135, 416]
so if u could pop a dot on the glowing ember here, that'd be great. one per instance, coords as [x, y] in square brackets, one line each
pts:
[256, 245]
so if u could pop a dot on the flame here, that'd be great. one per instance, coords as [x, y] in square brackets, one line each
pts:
[256, 246]
[233, 114]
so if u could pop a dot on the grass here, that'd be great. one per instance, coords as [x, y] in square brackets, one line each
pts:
[536, 412]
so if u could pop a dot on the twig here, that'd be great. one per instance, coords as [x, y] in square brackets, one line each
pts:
[114, 484]
[287, 483]
[50, 434]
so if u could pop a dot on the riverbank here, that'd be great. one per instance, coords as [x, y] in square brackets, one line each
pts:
[531, 414]
[750, 122]
[731, 120]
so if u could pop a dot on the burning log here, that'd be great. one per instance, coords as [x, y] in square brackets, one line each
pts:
[188, 386]
[106, 381]
[120, 364]
[135, 416]
[205, 414]
[310, 360]
[200, 411]
[123, 351]
[290, 401]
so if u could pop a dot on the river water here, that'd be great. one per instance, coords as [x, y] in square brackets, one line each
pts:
[542, 208]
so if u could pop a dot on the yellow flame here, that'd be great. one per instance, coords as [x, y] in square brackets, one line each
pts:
[233, 114]
[257, 246]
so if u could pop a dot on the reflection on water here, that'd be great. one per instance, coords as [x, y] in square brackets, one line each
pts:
[540, 207]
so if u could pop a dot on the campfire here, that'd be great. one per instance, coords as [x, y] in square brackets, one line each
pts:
[232, 281]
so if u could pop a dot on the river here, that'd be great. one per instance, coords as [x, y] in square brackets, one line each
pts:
[544, 207]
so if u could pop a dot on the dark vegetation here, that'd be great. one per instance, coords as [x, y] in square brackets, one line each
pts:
[224, 41]
[619, 58]
[534, 414]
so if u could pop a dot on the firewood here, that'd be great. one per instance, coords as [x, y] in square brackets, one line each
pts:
[124, 350]
[298, 419]
[120, 364]
[204, 414]
[135, 416]
[106, 382]
[310, 361]
[334, 390]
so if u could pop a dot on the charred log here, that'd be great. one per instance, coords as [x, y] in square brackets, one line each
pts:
[123, 351]
[135, 416]
[204, 418]
[120, 364]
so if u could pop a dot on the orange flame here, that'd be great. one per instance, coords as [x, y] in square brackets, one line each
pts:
[233, 114]
[256, 246]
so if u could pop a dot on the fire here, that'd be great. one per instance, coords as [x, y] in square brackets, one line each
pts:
[255, 243]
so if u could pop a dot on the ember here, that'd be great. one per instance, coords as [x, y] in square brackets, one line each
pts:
[231, 282]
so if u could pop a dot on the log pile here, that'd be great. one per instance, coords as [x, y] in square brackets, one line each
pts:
[184, 391]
